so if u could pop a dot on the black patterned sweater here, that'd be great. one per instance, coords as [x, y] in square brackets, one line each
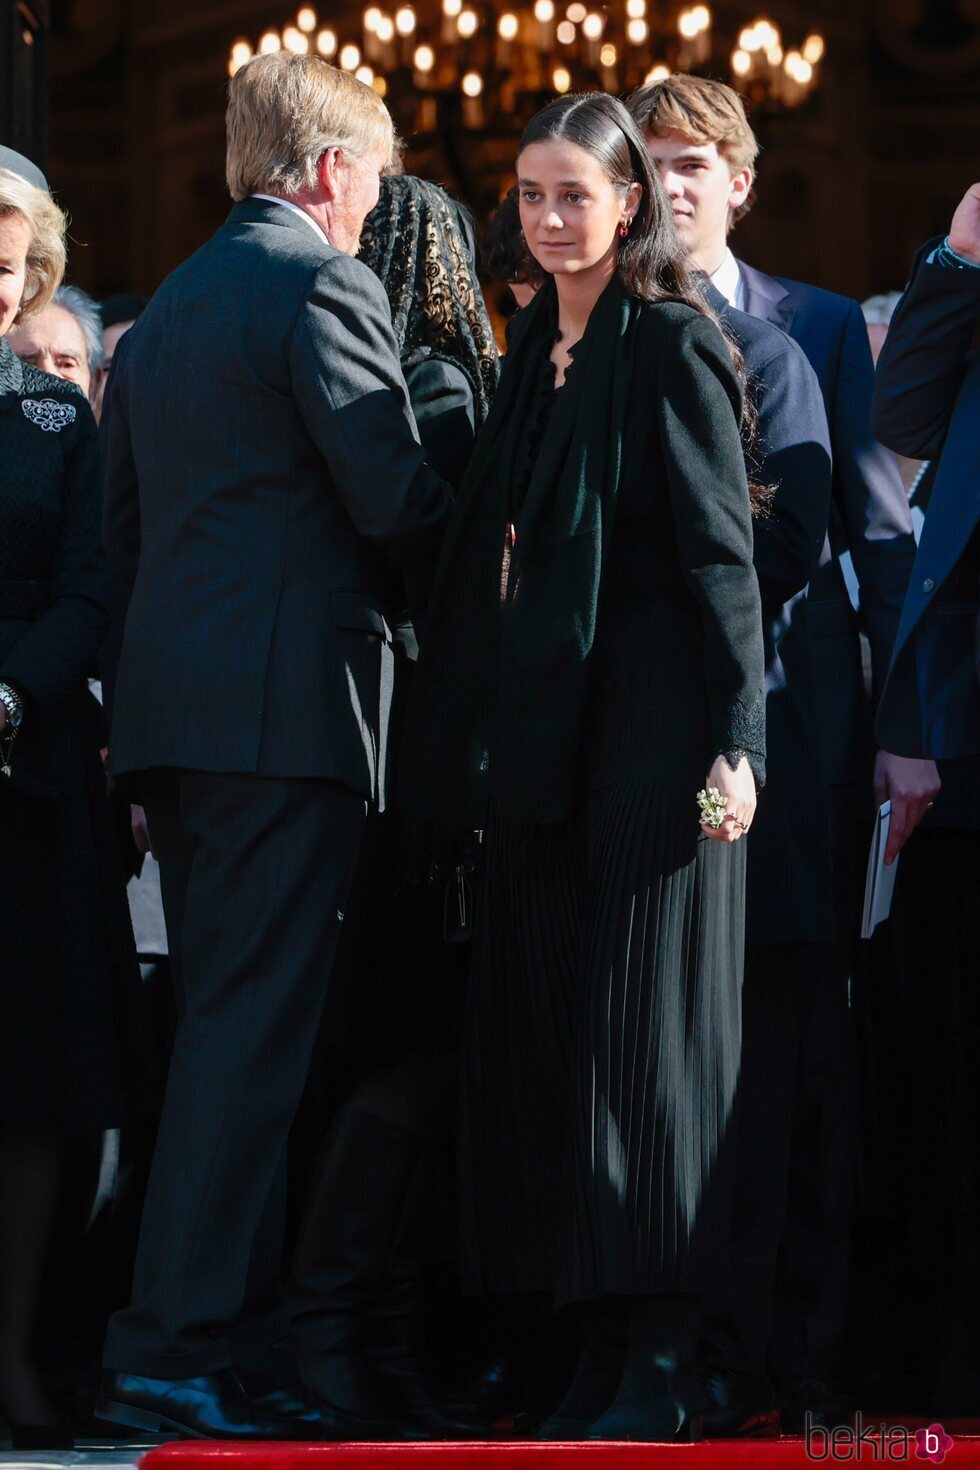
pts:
[54, 579]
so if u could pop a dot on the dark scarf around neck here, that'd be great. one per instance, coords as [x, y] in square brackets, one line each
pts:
[499, 694]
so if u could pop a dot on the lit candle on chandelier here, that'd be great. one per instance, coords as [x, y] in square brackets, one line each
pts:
[370, 23]
[694, 29]
[385, 33]
[472, 85]
[544, 14]
[507, 28]
[405, 23]
[592, 28]
[450, 14]
[424, 60]
[240, 53]
[473, 100]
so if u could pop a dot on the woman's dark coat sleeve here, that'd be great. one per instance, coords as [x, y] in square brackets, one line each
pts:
[442, 402]
[58, 651]
[699, 403]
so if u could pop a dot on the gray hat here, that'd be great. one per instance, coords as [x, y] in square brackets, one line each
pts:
[16, 163]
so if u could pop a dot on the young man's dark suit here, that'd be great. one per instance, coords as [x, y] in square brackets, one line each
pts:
[927, 404]
[869, 514]
[869, 518]
[789, 918]
[265, 485]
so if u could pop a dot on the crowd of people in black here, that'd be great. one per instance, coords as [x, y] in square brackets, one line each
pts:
[509, 733]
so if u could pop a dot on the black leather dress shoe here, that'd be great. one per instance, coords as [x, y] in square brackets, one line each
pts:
[738, 1406]
[214, 1406]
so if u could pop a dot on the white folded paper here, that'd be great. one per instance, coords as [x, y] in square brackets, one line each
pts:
[880, 883]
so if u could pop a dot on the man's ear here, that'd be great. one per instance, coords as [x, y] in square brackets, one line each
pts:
[741, 186]
[326, 168]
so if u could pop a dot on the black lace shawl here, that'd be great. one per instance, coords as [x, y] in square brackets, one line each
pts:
[413, 242]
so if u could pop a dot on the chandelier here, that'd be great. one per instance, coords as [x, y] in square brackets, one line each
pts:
[491, 63]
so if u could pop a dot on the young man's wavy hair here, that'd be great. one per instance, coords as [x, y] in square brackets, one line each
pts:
[704, 112]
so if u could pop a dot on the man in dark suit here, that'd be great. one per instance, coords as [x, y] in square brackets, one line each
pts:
[705, 151]
[923, 1031]
[927, 403]
[265, 486]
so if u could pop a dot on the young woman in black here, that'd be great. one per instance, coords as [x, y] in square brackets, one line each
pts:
[593, 657]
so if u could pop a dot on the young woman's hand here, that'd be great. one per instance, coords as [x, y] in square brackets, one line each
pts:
[738, 789]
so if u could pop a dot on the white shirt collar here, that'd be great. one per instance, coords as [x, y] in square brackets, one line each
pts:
[728, 280]
[288, 204]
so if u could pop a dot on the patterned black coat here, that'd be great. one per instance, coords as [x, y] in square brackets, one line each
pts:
[69, 982]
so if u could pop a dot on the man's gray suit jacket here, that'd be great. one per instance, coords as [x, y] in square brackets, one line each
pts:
[266, 492]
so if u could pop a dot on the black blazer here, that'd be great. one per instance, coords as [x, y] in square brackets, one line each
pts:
[678, 664]
[869, 515]
[264, 487]
[442, 401]
[789, 885]
[927, 405]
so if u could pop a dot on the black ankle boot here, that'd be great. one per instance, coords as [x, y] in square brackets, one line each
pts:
[598, 1375]
[657, 1399]
[392, 1358]
[353, 1286]
[362, 1178]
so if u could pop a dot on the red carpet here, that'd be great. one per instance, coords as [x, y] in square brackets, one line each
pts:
[784, 1454]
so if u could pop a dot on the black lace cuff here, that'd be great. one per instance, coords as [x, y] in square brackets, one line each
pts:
[734, 758]
[745, 735]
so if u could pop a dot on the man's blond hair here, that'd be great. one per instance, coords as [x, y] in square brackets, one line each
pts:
[285, 111]
[46, 254]
[703, 111]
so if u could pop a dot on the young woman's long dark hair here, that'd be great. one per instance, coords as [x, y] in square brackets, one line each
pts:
[651, 259]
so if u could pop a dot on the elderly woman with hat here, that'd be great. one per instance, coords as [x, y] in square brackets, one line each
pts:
[68, 973]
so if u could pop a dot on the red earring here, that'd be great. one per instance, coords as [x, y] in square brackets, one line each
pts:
[624, 229]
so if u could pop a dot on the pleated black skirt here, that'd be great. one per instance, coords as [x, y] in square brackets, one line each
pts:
[601, 1046]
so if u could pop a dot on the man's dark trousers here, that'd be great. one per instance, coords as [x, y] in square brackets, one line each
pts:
[869, 518]
[255, 874]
